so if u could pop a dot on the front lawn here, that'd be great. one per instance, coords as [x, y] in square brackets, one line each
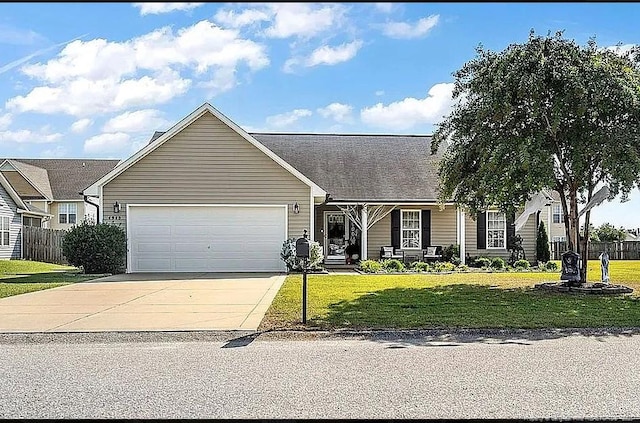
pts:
[22, 276]
[466, 300]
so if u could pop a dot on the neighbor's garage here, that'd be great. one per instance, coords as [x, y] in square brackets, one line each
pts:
[188, 238]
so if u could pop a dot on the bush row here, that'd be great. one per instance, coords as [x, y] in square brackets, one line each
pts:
[496, 263]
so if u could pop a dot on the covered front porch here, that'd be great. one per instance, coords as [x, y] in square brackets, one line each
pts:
[353, 231]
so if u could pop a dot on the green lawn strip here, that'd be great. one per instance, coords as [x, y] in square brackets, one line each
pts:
[22, 267]
[469, 300]
[21, 276]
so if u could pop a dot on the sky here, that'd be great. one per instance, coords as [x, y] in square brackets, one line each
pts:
[95, 80]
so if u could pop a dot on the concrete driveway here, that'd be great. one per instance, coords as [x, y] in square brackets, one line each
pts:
[145, 302]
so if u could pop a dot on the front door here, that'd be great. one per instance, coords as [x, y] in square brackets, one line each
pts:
[335, 232]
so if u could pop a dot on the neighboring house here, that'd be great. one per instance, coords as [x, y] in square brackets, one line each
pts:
[44, 193]
[54, 186]
[553, 219]
[208, 196]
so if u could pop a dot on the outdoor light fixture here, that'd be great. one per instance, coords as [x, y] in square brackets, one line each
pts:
[116, 207]
[296, 208]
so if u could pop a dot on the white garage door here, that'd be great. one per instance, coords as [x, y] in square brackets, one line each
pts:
[181, 238]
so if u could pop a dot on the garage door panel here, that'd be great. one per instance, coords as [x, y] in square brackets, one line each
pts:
[203, 238]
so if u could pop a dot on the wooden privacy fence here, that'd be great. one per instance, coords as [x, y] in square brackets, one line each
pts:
[43, 244]
[624, 250]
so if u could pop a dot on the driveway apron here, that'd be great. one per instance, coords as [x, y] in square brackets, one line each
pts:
[145, 302]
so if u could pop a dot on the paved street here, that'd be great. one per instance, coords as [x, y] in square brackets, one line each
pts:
[195, 376]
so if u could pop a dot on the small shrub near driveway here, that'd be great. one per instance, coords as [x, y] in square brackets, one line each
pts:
[288, 255]
[97, 248]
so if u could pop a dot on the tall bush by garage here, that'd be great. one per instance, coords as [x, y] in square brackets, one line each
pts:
[100, 248]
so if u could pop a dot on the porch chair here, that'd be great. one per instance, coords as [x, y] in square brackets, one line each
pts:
[389, 252]
[433, 253]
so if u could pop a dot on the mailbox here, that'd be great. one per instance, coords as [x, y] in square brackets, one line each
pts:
[302, 246]
[570, 267]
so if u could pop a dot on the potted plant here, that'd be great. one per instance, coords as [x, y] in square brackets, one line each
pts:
[353, 253]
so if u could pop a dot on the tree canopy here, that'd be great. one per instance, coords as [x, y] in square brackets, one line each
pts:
[608, 233]
[545, 114]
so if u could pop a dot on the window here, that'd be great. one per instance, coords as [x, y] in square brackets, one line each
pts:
[4, 231]
[558, 216]
[67, 212]
[410, 232]
[496, 230]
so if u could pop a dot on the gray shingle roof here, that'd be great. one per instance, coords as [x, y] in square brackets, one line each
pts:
[36, 175]
[362, 167]
[67, 177]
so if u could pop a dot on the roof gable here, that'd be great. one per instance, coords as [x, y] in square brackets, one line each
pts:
[161, 139]
[12, 193]
[34, 175]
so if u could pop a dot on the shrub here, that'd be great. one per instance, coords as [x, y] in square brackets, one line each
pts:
[498, 263]
[542, 244]
[451, 254]
[444, 267]
[462, 268]
[482, 262]
[421, 266]
[100, 248]
[370, 266]
[288, 255]
[522, 264]
[551, 265]
[393, 265]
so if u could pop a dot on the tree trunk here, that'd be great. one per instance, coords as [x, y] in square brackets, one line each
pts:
[574, 227]
[585, 246]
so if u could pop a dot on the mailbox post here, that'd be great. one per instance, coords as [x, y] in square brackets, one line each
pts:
[302, 252]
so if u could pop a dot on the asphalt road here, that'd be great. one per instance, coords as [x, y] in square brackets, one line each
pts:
[189, 376]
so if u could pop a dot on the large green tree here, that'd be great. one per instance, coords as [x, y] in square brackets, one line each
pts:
[608, 233]
[544, 114]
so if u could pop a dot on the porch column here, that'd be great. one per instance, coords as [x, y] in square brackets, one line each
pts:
[462, 237]
[363, 237]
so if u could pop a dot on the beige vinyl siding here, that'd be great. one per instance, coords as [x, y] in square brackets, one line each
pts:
[443, 229]
[8, 208]
[527, 232]
[20, 185]
[208, 163]
[54, 209]
[379, 236]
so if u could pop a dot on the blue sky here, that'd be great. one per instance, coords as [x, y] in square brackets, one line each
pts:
[95, 80]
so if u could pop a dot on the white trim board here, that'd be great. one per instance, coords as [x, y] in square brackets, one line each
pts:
[175, 129]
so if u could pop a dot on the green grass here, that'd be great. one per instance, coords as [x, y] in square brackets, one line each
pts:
[466, 300]
[22, 276]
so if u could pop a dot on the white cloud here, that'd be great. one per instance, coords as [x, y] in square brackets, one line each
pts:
[138, 121]
[303, 19]
[99, 76]
[379, 93]
[384, 7]
[54, 153]
[26, 136]
[325, 55]
[288, 118]
[621, 49]
[232, 19]
[107, 143]
[81, 125]
[337, 111]
[5, 121]
[411, 111]
[158, 8]
[408, 30]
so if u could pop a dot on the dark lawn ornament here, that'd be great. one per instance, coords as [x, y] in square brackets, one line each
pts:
[571, 264]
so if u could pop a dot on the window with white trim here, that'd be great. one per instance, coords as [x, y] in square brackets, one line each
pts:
[496, 229]
[4, 231]
[558, 216]
[410, 229]
[67, 212]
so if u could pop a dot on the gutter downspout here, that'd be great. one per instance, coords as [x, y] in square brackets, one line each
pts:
[97, 206]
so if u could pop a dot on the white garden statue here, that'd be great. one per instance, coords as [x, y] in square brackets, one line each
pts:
[604, 266]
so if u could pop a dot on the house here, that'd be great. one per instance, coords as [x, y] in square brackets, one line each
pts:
[44, 193]
[208, 196]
